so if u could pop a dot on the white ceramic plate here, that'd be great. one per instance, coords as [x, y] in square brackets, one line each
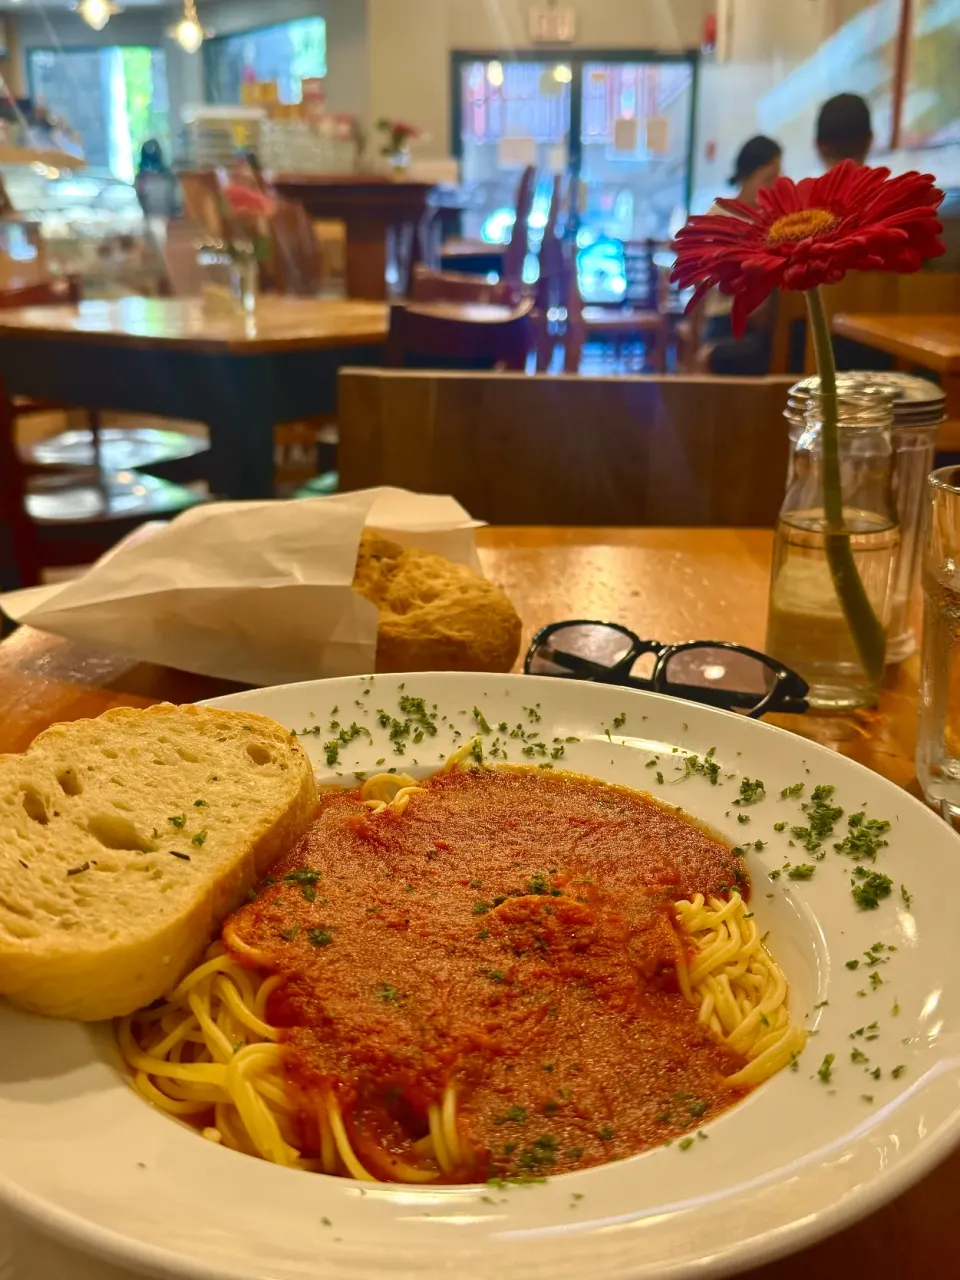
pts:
[85, 1159]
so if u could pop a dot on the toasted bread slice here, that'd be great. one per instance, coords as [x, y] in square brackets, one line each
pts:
[126, 840]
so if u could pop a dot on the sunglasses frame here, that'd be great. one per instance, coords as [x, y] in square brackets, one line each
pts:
[788, 694]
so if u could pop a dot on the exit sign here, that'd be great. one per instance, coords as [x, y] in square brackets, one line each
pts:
[553, 24]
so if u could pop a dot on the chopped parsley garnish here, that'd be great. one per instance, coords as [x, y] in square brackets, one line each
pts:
[179, 822]
[864, 838]
[200, 838]
[779, 826]
[482, 724]
[514, 1115]
[751, 792]
[853, 964]
[496, 975]
[743, 817]
[699, 1108]
[659, 777]
[481, 908]
[873, 887]
[803, 871]
[291, 934]
[387, 993]
[825, 1070]
[320, 937]
[897, 1072]
[685, 1144]
[606, 1133]
[620, 720]
[857, 1055]
[822, 817]
[200, 804]
[875, 980]
[795, 790]
[541, 1152]
[907, 897]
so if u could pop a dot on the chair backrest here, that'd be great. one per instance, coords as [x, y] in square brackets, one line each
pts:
[460, 335]
[427, 285]
[202, 200]
[65, 291]
[297, 257]
[571, 451]
[873, 292]
[516, 250]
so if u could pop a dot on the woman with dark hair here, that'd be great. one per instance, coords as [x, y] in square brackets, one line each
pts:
[757, 166]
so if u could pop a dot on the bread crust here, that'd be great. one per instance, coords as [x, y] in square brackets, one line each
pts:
[434, 615]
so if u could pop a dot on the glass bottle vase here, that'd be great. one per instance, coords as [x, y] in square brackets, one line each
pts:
[807, 627]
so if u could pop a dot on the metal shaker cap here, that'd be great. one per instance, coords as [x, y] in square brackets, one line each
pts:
[917, 401]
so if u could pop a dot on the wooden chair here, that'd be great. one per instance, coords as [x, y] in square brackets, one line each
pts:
[202, 200]
[930, 292]
[453, 286]
[477, 257]
[460, 335]
[641, 315]
[574, 451]
[62, 501]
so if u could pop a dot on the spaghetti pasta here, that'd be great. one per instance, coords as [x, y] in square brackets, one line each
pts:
[211, 1054]
[738, 987]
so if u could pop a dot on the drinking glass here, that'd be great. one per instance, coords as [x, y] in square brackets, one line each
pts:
[938, 745]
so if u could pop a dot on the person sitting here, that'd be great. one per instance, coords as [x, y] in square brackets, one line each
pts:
[844, 130]
[757, 166]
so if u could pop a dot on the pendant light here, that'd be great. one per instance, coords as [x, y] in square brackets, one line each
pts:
[188, 33]
[97, 13]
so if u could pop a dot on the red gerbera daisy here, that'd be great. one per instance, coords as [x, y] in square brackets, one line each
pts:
[810, 233]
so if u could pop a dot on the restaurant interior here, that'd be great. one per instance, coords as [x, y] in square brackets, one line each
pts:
[629, 318]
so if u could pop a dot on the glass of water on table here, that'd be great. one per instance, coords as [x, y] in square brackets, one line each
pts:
[938, 746]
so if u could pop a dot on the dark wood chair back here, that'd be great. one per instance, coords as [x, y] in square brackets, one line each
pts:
[516, 250]
[460, 335]
[571, 451]
[297, 258]
[455, 286]
[66, 291]
[202, 200]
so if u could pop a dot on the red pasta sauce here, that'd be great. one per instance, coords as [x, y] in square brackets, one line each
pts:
[510, 934]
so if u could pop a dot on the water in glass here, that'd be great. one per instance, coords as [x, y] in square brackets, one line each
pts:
[938, 744]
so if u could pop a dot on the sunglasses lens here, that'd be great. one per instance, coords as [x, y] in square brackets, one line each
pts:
[573, 650]
[723, 670]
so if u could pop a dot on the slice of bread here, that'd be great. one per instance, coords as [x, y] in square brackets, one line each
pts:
[126, 840]
[435, 615]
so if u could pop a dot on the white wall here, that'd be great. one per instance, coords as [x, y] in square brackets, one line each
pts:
[411, 42]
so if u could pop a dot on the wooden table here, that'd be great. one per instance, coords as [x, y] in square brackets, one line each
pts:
[931, 341]
[241, 376]
[667, 584]
[370, 205]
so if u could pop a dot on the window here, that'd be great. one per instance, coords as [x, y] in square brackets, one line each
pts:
[287, 53]
[115, 98]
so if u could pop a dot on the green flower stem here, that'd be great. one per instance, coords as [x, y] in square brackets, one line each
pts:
[865, 627]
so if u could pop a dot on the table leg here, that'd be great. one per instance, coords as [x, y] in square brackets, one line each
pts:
[241, 455]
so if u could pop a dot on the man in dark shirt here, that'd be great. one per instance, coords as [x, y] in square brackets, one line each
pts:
[844, 130]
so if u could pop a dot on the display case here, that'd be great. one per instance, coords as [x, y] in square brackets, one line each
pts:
[76, 222]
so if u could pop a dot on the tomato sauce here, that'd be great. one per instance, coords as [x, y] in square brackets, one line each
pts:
[508, 933]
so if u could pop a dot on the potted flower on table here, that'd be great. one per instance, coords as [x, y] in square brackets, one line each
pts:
[801, 236]
[397, 136]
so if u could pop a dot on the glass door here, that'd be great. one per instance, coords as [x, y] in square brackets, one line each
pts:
[511, 114]
[621, 122]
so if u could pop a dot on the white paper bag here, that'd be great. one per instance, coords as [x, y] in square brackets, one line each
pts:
[258, 592]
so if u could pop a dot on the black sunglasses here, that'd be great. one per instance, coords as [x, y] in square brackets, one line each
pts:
[711, 671]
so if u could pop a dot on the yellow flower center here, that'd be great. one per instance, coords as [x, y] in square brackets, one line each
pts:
[799, 225]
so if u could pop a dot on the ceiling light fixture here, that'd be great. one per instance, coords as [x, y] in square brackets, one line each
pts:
[188, 33]
[97, 13]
